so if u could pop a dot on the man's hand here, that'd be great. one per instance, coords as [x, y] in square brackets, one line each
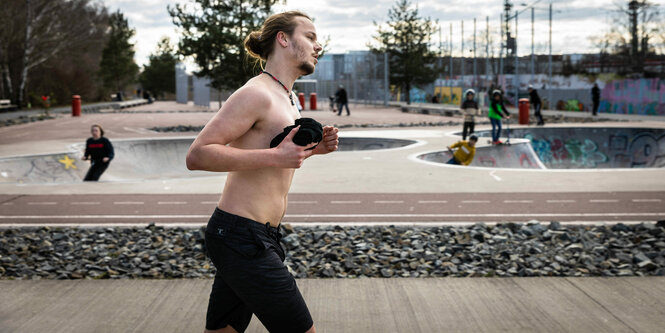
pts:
[84, 158]
[450, 150]
[329, 142]
[105, 159]
[290, 155]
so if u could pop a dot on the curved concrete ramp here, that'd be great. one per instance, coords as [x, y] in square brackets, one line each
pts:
[48, 168]
[594, 147]
[134, 160]
[137, 160]
[515, 156]
[357, 144]
[149, 159]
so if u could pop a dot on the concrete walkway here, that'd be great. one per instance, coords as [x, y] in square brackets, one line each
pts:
[358, 305]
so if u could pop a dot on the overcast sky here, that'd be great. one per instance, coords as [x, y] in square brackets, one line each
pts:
[349, 23]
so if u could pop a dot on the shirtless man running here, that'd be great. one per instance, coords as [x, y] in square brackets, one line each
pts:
[242, 236]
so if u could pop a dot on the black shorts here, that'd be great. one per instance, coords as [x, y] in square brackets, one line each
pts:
[251, 277]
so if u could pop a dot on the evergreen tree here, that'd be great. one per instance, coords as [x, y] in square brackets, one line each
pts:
[213, 33]
[158, 76]
[407, 39]
[117, 68]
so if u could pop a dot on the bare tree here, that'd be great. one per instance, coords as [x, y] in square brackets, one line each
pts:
[633, 36]
[47, 29]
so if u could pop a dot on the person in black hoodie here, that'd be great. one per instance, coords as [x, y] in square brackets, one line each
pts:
[534, 99]
[99, 151]
[342, 100]
[470, 110]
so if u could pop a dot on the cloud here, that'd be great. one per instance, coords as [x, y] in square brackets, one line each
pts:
[349, 23]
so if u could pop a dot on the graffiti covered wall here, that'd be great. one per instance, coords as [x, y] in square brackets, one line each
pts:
[590, 148]
[449, 95]
[641, 96]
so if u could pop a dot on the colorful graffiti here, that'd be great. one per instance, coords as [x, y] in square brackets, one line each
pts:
[641, 96]
[625, 148]
[418, 95]
[449, 95]
[556, 152]
[54, 168]
[643, 150]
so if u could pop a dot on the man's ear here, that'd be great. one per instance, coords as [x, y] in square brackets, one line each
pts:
[281, 39]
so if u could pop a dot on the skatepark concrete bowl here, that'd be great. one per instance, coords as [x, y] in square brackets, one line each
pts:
[569, 148]
[136, 160]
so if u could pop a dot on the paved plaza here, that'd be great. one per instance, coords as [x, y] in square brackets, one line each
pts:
[364, 181]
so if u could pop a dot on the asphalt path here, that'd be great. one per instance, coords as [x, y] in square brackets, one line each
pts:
[356, 208]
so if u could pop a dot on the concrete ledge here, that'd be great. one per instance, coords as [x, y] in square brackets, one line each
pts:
[349, 305]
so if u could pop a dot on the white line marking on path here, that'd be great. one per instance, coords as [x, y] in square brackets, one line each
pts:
[7, 203]
[517, 201]
[85, 203]
[432, 201]
[43, 203]
[647, 200]
[344, 202]
[128, 202]
[388, 202]
[33, 217]
[172, 202]
[603, 200]
[209, 202]
[303, 202]
[561, 201]
[475, 201]
[478, 215]
[497, 178]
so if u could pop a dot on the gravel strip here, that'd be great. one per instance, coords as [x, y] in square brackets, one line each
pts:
[25, 119]
[509, 249]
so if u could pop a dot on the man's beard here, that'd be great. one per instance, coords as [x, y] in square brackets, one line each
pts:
[306, 68]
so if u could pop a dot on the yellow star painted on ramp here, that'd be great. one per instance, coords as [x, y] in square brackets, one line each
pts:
[68, 162]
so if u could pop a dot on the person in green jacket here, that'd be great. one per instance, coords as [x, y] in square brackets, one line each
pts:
[496, 113]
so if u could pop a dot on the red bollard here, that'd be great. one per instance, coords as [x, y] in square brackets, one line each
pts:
[312, 101]
[301, 98]
[524, 111]
[76, 106]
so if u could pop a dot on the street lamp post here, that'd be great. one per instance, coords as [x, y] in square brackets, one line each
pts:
[516, 80]
[475, 72]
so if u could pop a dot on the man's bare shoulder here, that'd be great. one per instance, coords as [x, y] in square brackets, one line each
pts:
[251, 97]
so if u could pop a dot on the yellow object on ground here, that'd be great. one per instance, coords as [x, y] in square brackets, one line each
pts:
[464, 153]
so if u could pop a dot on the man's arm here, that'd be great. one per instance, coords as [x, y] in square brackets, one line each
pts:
[210, 151]
[86, 154]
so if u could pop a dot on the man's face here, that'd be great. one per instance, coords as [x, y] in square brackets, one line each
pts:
[469, 96]
[472, 143]
[306, 45]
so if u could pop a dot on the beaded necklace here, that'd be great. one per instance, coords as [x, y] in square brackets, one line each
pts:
[283, 86]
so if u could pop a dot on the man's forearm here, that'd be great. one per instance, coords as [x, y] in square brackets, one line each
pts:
[222, 158]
